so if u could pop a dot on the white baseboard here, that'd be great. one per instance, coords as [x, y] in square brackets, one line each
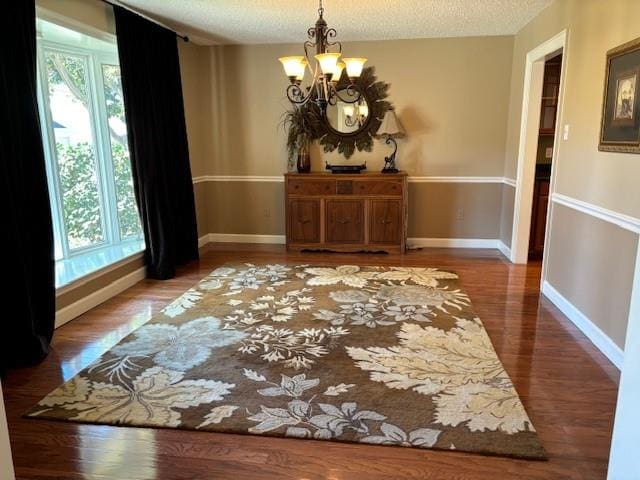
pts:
[85, 304]
[452, 242]
[411, 242]
[243, 238]
[506, 251]
[602, 342]
[203, 240]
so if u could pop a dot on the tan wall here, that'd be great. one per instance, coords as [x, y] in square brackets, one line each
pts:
[196, 88]
[246, 207]
[434, 209]
[97, 283]
[449, 94]
[258, 208]
[594, 26]
[94, 13]
[455, 118]
[588, 260]
[585, 270]
[506, 214]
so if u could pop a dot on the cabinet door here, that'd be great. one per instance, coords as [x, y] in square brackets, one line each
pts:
[538, 218]
[385, 221]
[304, 221]
[541, 216]
[345, 221]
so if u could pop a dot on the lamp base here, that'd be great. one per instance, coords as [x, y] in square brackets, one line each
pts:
[390, 161]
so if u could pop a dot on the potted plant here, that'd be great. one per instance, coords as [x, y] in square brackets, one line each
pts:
[300, 122]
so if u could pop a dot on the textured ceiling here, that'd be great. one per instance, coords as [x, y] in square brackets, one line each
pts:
[284, 21]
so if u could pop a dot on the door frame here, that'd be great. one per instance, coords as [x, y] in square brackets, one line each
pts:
[625, 440]
[528, 143]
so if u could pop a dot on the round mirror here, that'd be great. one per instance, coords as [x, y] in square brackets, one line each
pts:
[349, 114]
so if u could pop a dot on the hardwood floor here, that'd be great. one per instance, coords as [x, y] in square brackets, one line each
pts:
[567, 386]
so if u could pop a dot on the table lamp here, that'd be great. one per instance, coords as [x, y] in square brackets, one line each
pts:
[390, 129]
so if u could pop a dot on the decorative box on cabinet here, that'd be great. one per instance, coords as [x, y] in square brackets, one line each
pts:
[346, 213]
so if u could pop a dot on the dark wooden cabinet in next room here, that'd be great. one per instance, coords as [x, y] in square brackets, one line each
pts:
[346, 213]
[538, 217]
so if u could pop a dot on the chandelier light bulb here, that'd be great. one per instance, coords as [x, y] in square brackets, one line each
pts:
[328, 63]
[293, 66]
[300, 75]
[354, 66]
[338, 71]
[363, 110]
[348, 110]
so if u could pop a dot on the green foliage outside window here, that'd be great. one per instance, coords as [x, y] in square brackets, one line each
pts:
[77, 167]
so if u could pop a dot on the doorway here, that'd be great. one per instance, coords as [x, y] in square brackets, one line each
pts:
[541, 117]
[544, 156]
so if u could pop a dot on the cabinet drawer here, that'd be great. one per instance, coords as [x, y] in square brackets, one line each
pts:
[311, 187]
[377, 187]
[344, 221]
[304, 221]
[385, 221]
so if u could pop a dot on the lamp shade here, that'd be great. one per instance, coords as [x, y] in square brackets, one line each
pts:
[354, 66]
[390, 126]
[337, 73]
[300, 75]
[293, 66]
[328, 62]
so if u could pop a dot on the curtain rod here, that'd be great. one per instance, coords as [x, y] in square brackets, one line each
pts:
[116, 3]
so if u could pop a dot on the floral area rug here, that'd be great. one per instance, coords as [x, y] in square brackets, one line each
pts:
[376, 355]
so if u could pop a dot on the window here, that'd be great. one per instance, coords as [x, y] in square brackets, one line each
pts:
[95, 216]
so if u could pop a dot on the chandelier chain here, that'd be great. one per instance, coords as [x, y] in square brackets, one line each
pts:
[320, 8]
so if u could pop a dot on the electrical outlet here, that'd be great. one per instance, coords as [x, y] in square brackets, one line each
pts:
[548, 152]
[460, 214]
[565, 132]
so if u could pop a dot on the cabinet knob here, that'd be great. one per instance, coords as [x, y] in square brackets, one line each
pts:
[385, 221]
[303, 220]
[344, 220]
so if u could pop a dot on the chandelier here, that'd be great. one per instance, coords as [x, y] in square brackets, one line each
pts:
[327, 69]
[355, 115]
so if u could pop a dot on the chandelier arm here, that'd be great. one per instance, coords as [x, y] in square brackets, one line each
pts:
[353, 91]
[331, 33]
[295, 95]
[307, 45]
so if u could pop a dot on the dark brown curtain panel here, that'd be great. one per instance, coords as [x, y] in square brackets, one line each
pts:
[27, 233]
[157, 134]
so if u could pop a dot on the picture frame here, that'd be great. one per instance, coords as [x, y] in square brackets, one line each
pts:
[620, 123]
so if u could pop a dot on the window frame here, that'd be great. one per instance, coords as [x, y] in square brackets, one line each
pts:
[101, 145]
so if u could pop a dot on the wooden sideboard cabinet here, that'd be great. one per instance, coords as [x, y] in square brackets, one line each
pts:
[346, 213]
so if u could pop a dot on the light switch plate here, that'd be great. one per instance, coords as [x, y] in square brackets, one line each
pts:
[565, 132]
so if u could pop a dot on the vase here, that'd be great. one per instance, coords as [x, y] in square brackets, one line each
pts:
[304, 158]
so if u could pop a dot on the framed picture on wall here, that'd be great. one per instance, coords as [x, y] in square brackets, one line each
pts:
[620, 126]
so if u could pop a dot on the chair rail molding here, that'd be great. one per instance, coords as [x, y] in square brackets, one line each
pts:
[620, 219]
[412, 179]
